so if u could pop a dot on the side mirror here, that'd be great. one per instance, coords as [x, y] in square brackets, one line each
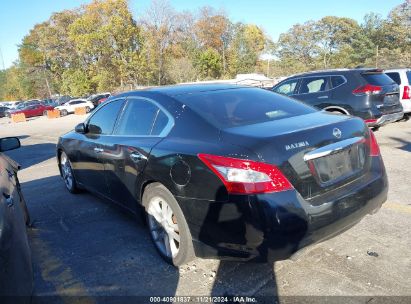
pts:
[9, 143]
[80, 128]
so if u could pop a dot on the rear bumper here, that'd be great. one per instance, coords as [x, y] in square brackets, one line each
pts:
[386, 118]
[274, 226]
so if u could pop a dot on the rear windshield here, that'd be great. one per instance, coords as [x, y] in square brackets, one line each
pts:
[395, 76]
[244, 106]
[378, 79]
[409, 77]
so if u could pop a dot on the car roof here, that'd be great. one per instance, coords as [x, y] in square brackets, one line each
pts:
[175, 90]
[398, 70]
[336, 71]
[78, 99]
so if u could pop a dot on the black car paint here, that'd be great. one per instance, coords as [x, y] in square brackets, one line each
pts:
[247, 227]
[342, 99]
[3, 111]
[16, 274]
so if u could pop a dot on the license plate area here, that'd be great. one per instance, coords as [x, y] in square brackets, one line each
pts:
[339, 165]
[391, 99]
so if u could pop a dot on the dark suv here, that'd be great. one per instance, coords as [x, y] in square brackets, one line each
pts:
[366, 93]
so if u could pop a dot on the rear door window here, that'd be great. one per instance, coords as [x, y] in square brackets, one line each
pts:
[395, 76]
[141, 118]
[378, 79]
[314, 85]
[287, 88]
[336, 81]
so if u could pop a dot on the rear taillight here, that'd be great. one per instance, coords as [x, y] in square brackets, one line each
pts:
[246, 177]
[374, 148]
[370, 121]
[406, 94]
[367, 89]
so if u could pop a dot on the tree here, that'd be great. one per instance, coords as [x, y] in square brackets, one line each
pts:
[159, 23]
[100, 47]
[247, 45]
[209, 64]
[182, 70]
[333, 33]
[301, 44]
[76, 82]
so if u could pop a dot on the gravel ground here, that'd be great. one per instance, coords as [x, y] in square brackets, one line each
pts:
[83, 246]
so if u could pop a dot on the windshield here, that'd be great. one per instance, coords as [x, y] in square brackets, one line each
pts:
[244, 106]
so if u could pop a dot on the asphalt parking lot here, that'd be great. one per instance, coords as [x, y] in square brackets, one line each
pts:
[83, 246]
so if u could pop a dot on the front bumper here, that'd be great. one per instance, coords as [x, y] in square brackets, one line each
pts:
[270, 227]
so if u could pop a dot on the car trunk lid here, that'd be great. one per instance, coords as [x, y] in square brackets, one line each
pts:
[317, 152]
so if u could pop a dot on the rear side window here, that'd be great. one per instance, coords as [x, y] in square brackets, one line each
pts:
[102, 122]
[160, 123]
[336, 81]
[395, 76]
[377, 79]
[245, 106]
[139, 119]
[314, 85]
[286, 88]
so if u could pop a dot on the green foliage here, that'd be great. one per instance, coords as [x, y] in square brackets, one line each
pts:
[209, 64]
[100, 47]
[76, 82]
[247, 45]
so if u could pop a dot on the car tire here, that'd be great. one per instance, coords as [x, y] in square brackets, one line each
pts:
[67, 173]
[45, 113]
[162, 209]
[87, 109]
[63, 112]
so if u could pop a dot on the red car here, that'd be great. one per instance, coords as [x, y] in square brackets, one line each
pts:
[102, 100]
[34, 110]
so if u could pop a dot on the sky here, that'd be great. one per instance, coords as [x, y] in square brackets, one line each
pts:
[17, 17]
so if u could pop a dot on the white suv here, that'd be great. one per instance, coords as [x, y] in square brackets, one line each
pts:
[403, 78]
[70, 106]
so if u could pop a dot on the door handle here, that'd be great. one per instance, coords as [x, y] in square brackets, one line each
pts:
[137, 156]
[323, 97]
[98, 150]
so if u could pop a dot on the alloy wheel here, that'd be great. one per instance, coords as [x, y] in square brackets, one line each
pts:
[66, 171]
[163, 227]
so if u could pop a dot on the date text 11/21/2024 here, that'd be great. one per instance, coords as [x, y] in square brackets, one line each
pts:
[203, 299]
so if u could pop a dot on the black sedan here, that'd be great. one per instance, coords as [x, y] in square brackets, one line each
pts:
[226, 171]
[16, 275]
